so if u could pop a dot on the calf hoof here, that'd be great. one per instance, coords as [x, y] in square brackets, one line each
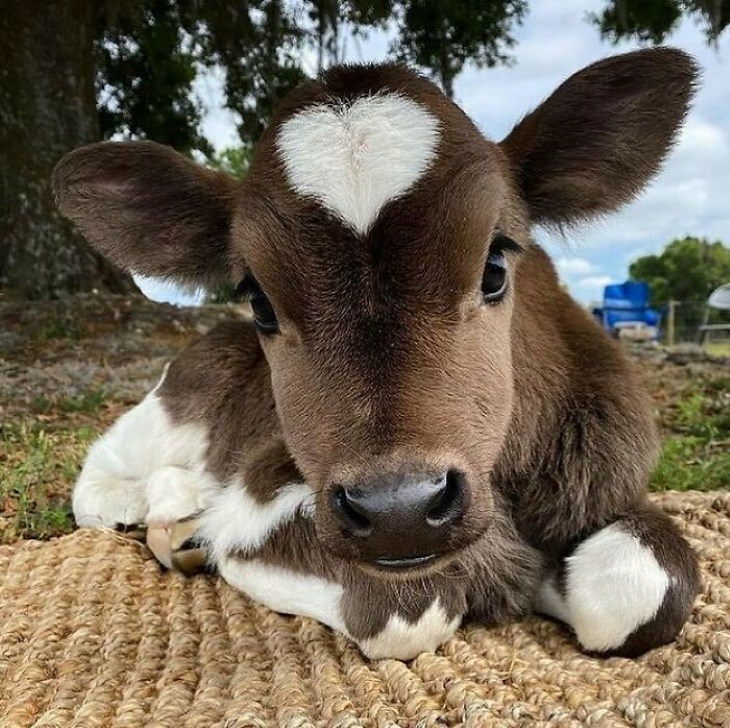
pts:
[176, 547]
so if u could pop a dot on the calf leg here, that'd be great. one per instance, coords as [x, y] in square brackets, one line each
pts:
[144, 467]
[626, 588]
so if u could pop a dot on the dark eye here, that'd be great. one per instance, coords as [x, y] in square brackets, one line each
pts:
[264, 316]
[494, 280]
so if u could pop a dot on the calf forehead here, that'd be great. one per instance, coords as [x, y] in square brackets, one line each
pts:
[354, 157]
[368, 176]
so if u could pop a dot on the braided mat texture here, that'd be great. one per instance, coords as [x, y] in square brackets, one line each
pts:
[93, 634]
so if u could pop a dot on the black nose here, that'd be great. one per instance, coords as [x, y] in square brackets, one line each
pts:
[401, 520]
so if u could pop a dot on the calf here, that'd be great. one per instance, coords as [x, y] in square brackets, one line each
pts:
[418, 424]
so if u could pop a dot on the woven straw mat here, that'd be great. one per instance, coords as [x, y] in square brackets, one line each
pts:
[94, 634]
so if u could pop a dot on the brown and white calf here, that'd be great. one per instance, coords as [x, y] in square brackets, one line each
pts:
[420, 424]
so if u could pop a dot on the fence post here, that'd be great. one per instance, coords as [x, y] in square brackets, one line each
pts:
[703, 330]
[670, 322]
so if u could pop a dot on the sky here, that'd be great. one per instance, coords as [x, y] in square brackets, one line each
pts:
[690, 196]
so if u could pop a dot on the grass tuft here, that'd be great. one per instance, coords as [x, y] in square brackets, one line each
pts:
[39, 462]
[696, 447]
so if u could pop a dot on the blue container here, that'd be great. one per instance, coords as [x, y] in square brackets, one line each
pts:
[627, 303]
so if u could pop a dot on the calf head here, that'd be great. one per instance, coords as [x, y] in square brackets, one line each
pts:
[380, 238]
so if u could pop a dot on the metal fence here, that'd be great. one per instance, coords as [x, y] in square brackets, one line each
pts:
[693, 322]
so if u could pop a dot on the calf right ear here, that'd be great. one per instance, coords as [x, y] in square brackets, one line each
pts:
[598, 139]
[149, 209]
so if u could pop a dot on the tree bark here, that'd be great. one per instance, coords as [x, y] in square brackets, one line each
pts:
[445, 71]
[47, 107]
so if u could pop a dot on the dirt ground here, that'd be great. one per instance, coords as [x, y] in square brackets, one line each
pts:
[68, 369]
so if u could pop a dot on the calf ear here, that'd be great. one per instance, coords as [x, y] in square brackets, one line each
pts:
[599, 138]
[148, 209]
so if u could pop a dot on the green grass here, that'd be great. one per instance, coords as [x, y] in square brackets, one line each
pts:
[58, 328]
[718, 348]
[38, 463]
[689, 463]
[89, 403]
[696, 446]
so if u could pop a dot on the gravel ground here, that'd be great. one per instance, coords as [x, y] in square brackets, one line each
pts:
[115, 344]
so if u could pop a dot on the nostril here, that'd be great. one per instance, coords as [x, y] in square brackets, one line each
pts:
[355, 521]
[448, 504]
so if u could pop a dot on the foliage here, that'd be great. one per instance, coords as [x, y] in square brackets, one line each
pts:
[259, 44]
[150, 51]
[146, 64]
[443, 35]
[653, 20]
[688, 269]
[234, 160]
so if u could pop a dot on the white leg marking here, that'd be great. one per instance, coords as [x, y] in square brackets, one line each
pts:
[175, 493]
[403, 640]
[354, 158]
[235, 521]
[114, 484]
[548, 600]
[102, 500]
[286, 591]
[614, 584]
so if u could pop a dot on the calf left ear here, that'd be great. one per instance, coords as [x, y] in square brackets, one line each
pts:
[599, 138]
[149, 209]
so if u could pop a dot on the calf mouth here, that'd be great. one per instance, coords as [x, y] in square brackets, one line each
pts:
[404, 563]
[398, 568]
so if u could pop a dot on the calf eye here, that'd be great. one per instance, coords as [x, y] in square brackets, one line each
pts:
[264, 316]
[494, 280]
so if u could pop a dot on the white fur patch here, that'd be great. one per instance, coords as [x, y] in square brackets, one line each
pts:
[548, 600]
[122, 468]
[236, 521]
[286, 591]
[403, 640]
[175, 493]
[614, 584]
[354, 158]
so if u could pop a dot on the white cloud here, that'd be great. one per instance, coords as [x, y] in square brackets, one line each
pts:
[590, 288]
[591, 282]
[700, 137]
[574, 266]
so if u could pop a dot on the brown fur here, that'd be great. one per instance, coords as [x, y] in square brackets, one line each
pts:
[387, 358]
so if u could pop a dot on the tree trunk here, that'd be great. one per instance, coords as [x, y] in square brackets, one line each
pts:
[445, 71]
[47, 107]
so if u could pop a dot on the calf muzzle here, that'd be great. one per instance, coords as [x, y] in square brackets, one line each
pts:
[401, 520]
